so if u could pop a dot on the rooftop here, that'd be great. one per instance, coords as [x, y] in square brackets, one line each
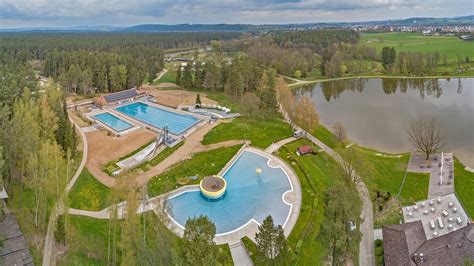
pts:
[121, 95]
[437, 216]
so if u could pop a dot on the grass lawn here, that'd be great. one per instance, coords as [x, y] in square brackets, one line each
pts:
[88, 193]
[316, 173]
[415, 187]
[464, 187]
[326, 136]
[388, 171]
[416, 42]
[261, 132]
[201, 164]
[87, 241]
[168, 77]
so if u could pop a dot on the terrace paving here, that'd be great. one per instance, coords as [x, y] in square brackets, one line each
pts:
[418, 164]
[432, 209]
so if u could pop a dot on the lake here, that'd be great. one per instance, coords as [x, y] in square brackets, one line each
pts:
[377, 112]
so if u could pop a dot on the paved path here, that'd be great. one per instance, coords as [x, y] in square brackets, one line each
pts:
[49, 240]
[276, 146]
[366, 248]
[240, 255]
[161, 74]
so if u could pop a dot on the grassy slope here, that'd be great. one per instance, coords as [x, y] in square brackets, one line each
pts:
[261, 132]
[168, 77]
[88, 193]
[464, 187]
[87, 242]
[416, 42]
[201, 164]
[322, 173]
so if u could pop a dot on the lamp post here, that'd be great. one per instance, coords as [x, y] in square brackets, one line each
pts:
[259, 171]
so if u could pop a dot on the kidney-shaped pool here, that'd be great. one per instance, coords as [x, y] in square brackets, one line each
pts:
[250, 196]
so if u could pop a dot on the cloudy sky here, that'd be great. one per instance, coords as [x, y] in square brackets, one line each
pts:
[34, 13]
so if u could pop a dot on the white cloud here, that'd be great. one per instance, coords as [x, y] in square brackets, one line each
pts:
[126, 12]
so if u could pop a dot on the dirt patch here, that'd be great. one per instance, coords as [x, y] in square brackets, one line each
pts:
[167, 85]
[104, 148]
[175, 98]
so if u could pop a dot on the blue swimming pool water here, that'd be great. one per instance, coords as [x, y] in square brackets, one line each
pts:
[157, 117]
[247, 197]
[112, 121]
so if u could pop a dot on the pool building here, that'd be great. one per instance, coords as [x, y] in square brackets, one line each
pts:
[116, 98]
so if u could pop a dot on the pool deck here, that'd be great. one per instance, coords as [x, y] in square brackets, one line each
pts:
[292, 197]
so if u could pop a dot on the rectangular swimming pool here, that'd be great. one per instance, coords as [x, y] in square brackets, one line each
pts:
[158, 117]
[112, 121]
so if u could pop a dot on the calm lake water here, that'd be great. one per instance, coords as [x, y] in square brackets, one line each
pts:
[377, 112]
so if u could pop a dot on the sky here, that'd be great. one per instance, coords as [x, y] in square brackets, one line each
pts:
[65, 13]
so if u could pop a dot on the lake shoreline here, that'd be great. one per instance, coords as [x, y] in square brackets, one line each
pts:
[301, 82]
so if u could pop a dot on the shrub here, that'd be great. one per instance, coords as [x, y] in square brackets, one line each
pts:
[60, 233]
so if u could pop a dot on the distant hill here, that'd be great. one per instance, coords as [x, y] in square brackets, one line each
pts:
[154, 28]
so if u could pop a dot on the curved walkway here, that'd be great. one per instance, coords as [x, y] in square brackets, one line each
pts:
[366, 248]
[49, 240]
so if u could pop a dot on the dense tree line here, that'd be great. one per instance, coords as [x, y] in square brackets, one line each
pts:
[37, 138]
[27, 46]
[78, 71]
[243, 80]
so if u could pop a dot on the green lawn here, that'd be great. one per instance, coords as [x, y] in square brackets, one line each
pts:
[326, 136]
[88, 193]
[201, 164]
[388, 171]
[168, 77]
[416, 42]
[415, 187]
[159, 158]
[316, 173]
[464, 187]
[261, 132]
[87, 241]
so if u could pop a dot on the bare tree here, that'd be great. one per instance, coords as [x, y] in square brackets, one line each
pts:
[353, 165]
[286, 99]
[340, 131]
[426, 136]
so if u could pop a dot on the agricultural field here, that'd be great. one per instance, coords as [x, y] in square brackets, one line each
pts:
[416, 42]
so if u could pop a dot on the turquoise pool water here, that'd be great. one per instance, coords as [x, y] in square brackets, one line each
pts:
[112, 121]
[248, 196]
[159, 118]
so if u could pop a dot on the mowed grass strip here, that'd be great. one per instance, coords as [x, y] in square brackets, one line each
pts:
[88, 193]
[464, 187]
[261, 132]
[201, 164]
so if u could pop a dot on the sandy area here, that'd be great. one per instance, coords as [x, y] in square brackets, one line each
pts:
[174, 98]
[104, 148]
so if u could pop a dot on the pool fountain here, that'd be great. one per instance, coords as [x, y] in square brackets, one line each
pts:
[213, 187]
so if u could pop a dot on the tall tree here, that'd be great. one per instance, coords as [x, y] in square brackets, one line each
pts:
[342, 209]
[271, 243]
[198, 241]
